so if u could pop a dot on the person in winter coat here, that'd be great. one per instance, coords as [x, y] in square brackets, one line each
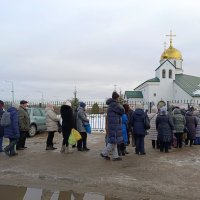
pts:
[1, 128]
[179, 125]
[128, 112]
[82, 120]
[67, 125]
[191, 124]
[12, 131]
[122, 147]
[139, 130]
[197, 139]
[153, 134]
[165, 127]
[52, 126]
[24, 125]
[114, 122]
[125, 122]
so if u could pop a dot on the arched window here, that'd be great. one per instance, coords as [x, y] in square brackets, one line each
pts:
[170, 73]
[163, 73]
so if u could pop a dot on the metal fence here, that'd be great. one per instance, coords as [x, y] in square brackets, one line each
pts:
[96, 111]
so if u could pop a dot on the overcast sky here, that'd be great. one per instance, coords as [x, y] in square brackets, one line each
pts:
[48, 47]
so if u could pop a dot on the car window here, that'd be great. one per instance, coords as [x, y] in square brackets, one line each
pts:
[36, 112]
[42, 112]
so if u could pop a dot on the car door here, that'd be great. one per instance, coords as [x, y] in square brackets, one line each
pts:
[43, 119]
[39, 119]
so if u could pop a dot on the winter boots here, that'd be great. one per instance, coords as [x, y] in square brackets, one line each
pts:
[65, 149]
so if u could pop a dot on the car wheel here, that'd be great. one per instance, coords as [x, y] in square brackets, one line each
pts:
[32, 130]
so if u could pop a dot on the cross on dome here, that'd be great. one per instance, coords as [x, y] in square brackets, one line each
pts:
[171, 35]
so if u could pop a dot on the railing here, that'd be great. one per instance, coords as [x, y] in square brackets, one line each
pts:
[96, 111]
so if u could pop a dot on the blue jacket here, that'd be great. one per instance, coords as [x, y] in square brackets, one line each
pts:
[12, 131]
[1, 128]
[137, 122]
[114, 113]
[125, 128]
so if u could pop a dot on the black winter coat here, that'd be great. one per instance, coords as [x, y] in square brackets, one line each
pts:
[67, 119]
[164, 126]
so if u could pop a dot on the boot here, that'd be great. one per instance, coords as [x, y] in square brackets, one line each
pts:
[63, 149]
[13, 153]
[68, 150]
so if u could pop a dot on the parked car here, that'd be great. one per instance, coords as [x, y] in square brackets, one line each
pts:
[37, 120]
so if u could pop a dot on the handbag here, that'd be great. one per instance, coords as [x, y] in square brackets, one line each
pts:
[146, 122]
[88, 128]
[76, 134]
[72, 139]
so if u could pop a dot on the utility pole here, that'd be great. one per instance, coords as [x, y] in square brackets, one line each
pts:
[12, 90]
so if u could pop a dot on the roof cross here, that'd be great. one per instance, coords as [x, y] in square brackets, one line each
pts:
[171, 37]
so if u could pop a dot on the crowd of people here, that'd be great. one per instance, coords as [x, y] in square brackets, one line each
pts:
[173, 128]
[15, 125]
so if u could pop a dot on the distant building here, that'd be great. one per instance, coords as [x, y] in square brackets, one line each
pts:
[169, 83]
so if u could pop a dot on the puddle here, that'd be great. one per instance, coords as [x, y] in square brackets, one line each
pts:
[24, 193]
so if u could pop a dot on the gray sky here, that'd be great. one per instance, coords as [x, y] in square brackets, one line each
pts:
[52, 46]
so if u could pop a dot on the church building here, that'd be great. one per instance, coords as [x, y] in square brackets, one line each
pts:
[169, 83]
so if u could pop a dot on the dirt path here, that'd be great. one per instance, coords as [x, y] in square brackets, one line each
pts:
[155, 176]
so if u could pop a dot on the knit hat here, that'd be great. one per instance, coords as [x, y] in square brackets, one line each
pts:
[68, 103]
[82, 104]
[115, 95]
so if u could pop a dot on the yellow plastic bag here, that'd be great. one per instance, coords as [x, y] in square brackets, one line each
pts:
[72, 139]
[76, 134]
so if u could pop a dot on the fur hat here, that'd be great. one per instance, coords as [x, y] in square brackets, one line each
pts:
[82, 104]
[115, 95]
[68, 103]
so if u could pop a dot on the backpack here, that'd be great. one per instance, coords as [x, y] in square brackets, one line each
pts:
[5, 119]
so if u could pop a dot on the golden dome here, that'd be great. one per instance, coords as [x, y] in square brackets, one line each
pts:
[171, 53]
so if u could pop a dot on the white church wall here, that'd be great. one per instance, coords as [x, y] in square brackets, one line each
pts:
[165, 89]
[153, 90]
[135, 99]
[166, 66]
